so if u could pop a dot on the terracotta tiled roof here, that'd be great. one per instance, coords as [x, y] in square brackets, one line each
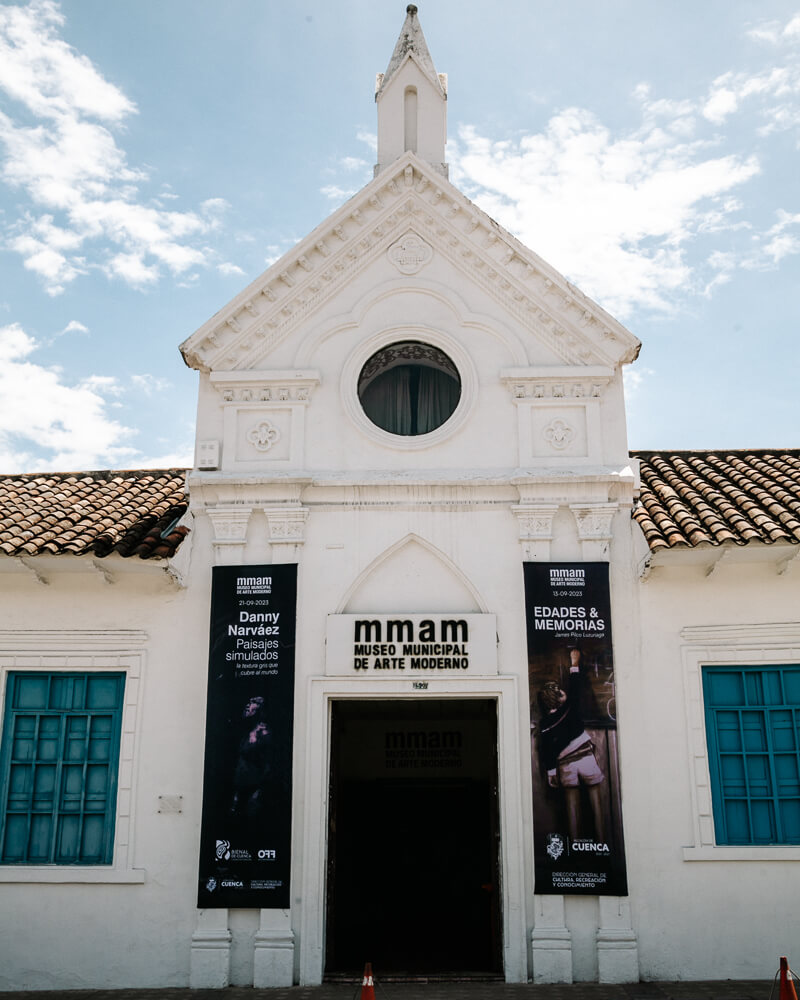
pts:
[692, 498]
[132, 513]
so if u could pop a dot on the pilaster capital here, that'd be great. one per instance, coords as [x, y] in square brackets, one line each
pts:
[286, 530]
[594, 522]
[229, 522]
[535, 522]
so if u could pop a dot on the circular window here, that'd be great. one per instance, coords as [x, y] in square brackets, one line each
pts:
[409, 388]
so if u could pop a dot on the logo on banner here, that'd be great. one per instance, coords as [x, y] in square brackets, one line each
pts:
[555, 845]
[211, 884]
[253, 585]
[592, 846]
[572, 575]
[223, 851]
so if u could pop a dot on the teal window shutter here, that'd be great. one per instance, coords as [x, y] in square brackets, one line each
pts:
[752, 719]
[59, 760]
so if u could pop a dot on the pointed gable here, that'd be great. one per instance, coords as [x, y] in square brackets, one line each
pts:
[410, 198]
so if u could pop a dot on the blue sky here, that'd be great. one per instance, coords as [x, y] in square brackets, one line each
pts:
[156, 157]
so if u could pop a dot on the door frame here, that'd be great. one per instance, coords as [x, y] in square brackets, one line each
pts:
[510, 754]
[488, 800]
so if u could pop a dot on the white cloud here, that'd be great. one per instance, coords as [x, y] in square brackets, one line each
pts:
[102, 384]
[47, 424]
[721, 103]
[274, 251]
[215, 206]
[615, 213]
[777, 91]
[767, 31]
[48, 262]
[85, 203]
[149, 384]
[74, 326]
[634, 379]
[780, 242]
[353, 163]
[774, 92]
[630, 216]
[132, 269]
[368, 138]
[337, 194]
[774, 33]
[181, 457]
[227, 269]
[44, 73]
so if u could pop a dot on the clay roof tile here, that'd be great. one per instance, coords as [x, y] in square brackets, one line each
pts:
[698, 498]
[93, 512]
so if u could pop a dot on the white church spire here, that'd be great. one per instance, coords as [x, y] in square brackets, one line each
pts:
[411, 98]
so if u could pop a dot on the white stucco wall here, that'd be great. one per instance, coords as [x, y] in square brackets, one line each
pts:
[128, 924]
[702, 911]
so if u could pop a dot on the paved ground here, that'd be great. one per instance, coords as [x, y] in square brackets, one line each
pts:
[727, 990]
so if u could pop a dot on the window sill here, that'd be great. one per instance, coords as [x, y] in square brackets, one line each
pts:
[788, 852]
[61, 874]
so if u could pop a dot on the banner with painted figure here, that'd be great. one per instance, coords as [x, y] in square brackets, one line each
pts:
[245, 837]
[577, 815]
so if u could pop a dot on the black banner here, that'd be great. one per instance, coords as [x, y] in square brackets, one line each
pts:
[577, 815]
[245, 838]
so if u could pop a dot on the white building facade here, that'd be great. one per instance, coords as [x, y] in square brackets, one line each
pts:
[407, 407]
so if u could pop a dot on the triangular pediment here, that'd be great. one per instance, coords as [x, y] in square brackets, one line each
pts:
[409, 200]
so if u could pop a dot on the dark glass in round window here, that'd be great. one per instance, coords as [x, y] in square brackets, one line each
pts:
[409, 388]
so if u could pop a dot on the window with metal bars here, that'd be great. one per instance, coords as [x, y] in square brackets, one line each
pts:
[753, 730]
[58, 767]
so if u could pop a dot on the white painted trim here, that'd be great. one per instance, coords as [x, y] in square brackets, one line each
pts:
[114, 650]
[411, 537]
[69, 874]
[741, 854]
[726, 645]
[321, 692]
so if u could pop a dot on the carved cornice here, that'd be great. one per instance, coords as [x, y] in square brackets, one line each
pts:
[548, 384]
[410, 195]
[265, 386]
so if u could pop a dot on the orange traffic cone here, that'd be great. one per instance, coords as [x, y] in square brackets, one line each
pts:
[368, 984]
[788, 991]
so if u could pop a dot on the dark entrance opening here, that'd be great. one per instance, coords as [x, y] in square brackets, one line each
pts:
[413, 849]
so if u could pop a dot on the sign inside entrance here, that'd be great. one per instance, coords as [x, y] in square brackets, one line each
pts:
[245, 836]
[415, 647]
[577, 813]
